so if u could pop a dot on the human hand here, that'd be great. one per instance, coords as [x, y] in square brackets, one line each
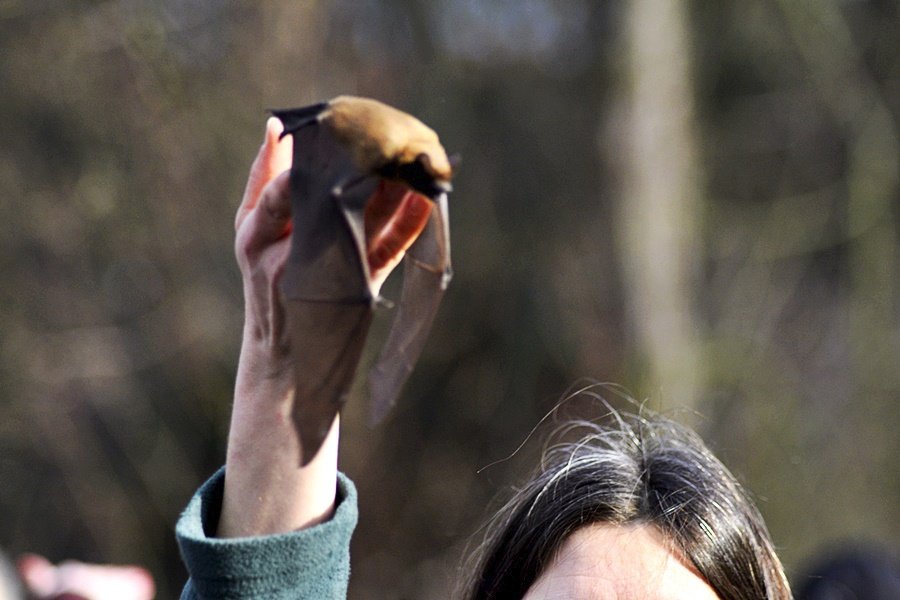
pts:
[73, 580]
[262, 241]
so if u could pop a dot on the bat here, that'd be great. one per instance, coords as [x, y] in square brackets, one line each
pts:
[369, 185]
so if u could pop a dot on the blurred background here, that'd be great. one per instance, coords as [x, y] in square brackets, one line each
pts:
[695, 200]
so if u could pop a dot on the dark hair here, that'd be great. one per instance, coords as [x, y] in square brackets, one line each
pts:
[641, 469]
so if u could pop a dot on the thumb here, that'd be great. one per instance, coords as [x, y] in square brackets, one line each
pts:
[37, 573]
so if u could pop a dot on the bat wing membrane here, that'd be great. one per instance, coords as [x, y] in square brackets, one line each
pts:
[325, 286]
[426, 274]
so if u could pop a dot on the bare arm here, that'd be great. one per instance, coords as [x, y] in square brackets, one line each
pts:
[266, 489]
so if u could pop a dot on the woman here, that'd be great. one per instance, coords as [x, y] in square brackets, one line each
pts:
[644, 507]
[647, 498]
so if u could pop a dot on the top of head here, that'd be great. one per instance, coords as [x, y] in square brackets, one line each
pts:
[379, 134]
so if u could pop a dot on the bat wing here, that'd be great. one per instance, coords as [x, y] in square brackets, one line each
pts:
[325, 283]
[294, 119]
[425, 277]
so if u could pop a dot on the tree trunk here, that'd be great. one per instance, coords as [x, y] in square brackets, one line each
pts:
[660, 205]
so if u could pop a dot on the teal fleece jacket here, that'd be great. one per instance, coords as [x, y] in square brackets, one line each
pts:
[309, 564]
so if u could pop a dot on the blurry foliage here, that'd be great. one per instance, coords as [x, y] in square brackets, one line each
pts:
[126, 131]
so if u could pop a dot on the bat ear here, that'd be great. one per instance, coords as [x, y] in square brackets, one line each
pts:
[436, 185]
[294, 119]
[442, 178]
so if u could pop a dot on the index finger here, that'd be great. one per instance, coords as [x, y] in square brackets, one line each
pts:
[274, 157]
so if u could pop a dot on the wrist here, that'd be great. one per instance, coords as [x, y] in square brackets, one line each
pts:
[264, 374]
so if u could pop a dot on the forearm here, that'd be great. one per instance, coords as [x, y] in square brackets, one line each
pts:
[266, 489]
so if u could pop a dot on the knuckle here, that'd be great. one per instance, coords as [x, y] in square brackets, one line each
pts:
[245, 251]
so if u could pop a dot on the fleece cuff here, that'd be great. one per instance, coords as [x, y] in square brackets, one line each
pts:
[310, 563]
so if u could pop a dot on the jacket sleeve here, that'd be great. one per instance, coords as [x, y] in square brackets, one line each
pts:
[310, 564]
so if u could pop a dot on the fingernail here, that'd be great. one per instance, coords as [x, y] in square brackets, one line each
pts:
[274, 127]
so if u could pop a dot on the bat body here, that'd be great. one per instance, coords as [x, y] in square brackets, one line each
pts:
[369, 184]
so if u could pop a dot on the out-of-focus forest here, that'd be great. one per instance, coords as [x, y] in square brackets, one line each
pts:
[695, 200]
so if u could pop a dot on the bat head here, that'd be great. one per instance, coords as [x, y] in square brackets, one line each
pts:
[419, 175]
[390, 143]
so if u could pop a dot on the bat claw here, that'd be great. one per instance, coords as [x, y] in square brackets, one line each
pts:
[385, 303]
